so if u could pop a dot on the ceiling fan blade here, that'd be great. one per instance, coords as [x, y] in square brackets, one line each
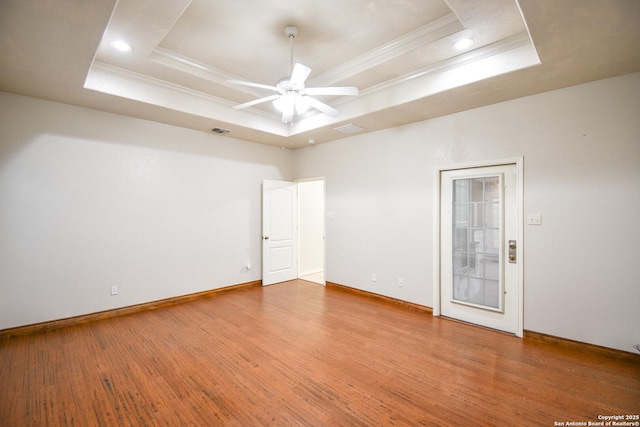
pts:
[343, 90]
[242, 82]
[256, 101]
[328, 110]
[299, 74]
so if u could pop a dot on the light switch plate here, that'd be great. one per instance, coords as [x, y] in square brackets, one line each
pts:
[534, 219]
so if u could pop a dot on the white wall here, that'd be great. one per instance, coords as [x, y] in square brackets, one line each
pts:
[581, 148]
[90, 199]
[310, 227]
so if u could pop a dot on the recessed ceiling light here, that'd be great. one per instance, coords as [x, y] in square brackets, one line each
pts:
[122, 46]
[463, 44]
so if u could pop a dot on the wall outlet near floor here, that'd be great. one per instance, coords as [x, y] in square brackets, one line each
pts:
[114, 290]
[400, 282]
[374, 277]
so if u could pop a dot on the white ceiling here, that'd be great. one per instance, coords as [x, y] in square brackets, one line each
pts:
[399, 53]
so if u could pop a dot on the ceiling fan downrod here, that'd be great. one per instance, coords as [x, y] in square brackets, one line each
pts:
[291, 31]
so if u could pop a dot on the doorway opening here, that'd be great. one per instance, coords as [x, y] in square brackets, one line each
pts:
[293, 231]
[311, 230]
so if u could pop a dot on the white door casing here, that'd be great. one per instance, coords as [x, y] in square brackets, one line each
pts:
[279, 234]
[479, 218]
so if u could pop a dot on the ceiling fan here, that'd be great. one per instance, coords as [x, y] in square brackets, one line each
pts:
[292, 95]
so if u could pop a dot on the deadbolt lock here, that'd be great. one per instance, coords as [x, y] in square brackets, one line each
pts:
[512, 251]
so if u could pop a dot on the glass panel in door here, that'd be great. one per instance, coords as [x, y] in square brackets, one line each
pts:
[477, 236]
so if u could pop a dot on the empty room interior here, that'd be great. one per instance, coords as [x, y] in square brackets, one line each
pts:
[363, 212]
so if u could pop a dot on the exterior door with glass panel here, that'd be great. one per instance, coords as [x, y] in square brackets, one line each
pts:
[479, 247]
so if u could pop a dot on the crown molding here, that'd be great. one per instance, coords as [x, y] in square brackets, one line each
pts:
[495, 49]
[198, 69]
[415, 39]
[127, 84]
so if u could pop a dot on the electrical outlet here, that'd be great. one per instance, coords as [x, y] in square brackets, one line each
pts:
[114, 290]
[374, 277]
[400, 282]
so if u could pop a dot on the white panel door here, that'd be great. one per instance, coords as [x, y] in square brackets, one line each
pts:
[479, 247]
[279, 237]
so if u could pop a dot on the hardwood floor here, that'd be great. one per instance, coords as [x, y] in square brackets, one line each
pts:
[300, 354]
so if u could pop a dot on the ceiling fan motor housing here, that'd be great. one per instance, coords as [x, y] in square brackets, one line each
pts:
[285, 86]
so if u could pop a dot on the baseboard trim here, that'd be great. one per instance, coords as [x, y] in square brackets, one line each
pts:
[406, 304]
[122, 311]
[582, 347]
[565, 343]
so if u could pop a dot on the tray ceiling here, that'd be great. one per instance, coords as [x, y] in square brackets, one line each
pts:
[400, 54]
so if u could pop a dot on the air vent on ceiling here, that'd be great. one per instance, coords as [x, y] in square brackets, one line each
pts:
[220, 131]
[350, 128]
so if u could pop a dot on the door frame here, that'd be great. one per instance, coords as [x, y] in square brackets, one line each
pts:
[518, 163]
[296, 212]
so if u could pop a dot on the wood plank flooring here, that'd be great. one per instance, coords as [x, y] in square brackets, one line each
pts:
[300, 354]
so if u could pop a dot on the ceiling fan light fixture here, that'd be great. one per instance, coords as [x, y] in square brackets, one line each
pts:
[302, 106]
[279, 104]
[291, 101]
[285, 103]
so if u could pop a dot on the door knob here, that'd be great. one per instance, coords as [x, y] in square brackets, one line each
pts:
[512, 257]
[266, 237]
